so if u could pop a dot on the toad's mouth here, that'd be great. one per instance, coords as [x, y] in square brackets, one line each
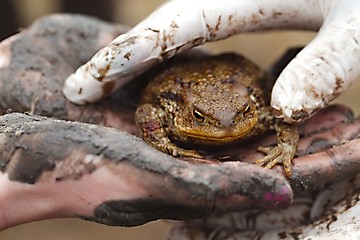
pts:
[221, 136]
[209, 133]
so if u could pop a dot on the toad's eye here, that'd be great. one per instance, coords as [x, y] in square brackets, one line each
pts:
[246, 110]
[198, 116]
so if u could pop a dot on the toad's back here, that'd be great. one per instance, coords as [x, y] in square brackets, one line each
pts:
[211, 78]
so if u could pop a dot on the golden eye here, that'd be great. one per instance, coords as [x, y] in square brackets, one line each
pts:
[198, 116]
[246, 110]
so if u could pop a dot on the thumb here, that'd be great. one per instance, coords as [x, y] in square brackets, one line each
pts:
[325, 67]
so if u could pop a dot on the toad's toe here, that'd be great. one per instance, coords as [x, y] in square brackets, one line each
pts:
[281, 154]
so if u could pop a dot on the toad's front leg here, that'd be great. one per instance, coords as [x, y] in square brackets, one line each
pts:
[151, 122]
[284, 152]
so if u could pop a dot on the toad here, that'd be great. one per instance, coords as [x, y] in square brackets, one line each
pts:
[213, 101]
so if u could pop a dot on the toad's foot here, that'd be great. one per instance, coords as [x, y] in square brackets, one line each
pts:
[281, 154]
[285, 150]
[180, 152]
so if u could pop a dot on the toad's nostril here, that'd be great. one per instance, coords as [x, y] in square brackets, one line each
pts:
[227, 123]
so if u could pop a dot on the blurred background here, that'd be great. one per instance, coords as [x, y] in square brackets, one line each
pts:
[262, 48]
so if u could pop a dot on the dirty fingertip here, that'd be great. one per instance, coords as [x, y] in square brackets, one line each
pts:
[280, 196]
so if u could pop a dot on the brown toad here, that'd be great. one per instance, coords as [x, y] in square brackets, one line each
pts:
[212, 101]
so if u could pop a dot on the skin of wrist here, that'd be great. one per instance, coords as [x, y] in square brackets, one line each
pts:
[21, 203]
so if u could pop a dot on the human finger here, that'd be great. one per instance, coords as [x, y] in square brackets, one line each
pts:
[331, 213]
[111, 177]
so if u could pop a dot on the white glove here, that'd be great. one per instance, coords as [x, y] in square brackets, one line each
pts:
[319, 73]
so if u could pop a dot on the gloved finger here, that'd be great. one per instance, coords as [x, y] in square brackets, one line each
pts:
[178, 26]
[325, 67]
[108, 176]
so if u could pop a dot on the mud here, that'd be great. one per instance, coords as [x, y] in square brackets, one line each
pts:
[140, 211]
[43, 56]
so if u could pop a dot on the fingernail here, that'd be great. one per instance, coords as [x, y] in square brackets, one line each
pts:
[281, 196]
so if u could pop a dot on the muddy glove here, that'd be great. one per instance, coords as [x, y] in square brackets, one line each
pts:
[319, 73]
[51, 168]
